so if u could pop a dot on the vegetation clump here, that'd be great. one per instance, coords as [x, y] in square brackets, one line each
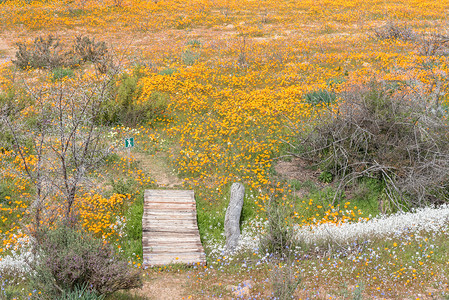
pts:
[128, 108]
[321, 97]
[279, 239]
[89, 50]
[394, 31]
[50, 53]
[43, 53]
[67, 259]
[387, 135]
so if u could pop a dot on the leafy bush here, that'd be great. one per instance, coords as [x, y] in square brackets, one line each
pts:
[89, 50]
[11, 292]
[43, 53]
[167, 71]
[321, 97]
[122, 110]
[68, 259]
[194, 43]
[386, 135]
[280, 237]
[81, 293]
[189, 57]
[325, 177]
[128, 109]
[49, 53]
[60, 73]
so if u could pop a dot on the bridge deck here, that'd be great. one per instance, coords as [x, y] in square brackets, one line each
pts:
[170, 230]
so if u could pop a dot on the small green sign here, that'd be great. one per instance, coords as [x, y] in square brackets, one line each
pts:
[129, 142]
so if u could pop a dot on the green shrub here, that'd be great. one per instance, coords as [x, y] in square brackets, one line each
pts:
[60, 73]
[194, 43]
[321, 97]
[122, 186]
[189, 57]
[279, 239]
[49, 53]
[325, 177]
[167, 71]
[127, 110]
[122, 109]
[10, 292]
[81, 293]
[68, 259]
[5, 193]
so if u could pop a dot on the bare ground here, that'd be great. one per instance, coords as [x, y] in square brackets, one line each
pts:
[165, 287]
[158, 169]
[6, 51]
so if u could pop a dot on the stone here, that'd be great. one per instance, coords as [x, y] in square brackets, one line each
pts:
[232, 218]
[243, 290]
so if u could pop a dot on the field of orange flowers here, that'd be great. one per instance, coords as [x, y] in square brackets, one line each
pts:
[236, 75]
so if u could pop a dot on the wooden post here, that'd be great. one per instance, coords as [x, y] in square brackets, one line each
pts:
[232, 219]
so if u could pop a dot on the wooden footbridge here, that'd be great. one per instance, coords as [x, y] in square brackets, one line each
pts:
[170, 230]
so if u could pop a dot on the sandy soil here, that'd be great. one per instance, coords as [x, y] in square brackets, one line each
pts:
[165, 287]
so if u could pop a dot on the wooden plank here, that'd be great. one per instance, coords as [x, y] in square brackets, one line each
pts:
[168, 196]
[170, 205]
[166, 199]
[172, 228]
[169, 219]
[174, 255]
[169, 192]
[168, 258]
[169, 216]
[164, 224]
[168, 212]
[170, 239]
[191, 247]
[160, 262]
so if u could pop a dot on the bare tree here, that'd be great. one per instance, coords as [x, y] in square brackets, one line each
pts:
[61, 138]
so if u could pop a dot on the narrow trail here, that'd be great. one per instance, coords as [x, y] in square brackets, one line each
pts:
[158, 169]
[6, 51]
[165, 286]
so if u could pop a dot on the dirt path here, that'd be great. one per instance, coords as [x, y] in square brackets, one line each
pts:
[158, 169]
[165, 286]
[6, 51]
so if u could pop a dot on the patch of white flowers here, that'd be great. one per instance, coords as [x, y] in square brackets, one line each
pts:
[119, 226]
[16, 263]
[429, 219]
[249, 238]
[116, 134]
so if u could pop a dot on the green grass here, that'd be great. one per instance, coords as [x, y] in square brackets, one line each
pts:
[132, 243]
[60, 73]
[125, 296]
[168, 71]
